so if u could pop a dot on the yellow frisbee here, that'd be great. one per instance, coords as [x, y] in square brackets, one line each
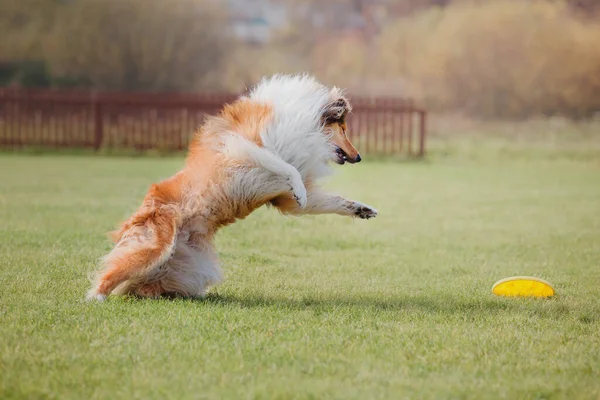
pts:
[523, 286]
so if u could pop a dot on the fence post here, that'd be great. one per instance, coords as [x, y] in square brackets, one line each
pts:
[411, 112]
[98, 123]
[422, 132]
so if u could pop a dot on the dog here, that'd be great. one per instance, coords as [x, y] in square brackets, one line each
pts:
[269, 147]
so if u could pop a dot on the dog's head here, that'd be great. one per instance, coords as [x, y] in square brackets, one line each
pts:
[334, 119]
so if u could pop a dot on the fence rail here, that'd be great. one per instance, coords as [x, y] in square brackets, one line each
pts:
[142, 121]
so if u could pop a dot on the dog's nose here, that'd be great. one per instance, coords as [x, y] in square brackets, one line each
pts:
[357, 158]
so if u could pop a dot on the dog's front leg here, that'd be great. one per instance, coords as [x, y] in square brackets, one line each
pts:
[325, 203]
[279, 176]
[284, 172]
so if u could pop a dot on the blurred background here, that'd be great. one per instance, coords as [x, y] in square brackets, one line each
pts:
[492, 58]
[462, 61]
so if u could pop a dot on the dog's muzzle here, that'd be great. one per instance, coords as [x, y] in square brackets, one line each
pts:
[341, 157]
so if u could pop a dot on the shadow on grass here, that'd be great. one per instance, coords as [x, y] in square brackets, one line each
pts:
[438, 304]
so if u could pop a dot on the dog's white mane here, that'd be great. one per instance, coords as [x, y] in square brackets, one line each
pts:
[296, 133]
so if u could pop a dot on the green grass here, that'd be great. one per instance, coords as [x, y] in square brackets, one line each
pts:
[312, 307]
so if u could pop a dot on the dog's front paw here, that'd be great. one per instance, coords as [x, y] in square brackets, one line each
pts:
[300, 196]
[299, 192]
[364, 212]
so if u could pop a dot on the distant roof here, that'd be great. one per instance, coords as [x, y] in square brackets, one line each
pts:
[273, 14]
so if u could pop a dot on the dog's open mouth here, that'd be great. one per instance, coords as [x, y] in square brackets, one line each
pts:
[340, 156]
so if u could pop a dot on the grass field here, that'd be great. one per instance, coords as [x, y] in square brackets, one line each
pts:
[312, 307]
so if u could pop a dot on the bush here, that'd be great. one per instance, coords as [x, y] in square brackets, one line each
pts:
[25, 74]
[506, 59]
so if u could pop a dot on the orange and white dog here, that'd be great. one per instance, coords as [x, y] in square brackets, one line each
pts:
[269, 147]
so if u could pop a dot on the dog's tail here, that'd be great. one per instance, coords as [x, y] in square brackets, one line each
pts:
[144, 243]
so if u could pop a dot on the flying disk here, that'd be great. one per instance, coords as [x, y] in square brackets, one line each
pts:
[523, 286]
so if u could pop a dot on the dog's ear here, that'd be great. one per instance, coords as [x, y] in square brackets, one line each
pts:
[337, 109]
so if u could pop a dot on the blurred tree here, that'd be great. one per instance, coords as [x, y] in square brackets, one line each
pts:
[155, 45]
[23, 23]
[498, 59]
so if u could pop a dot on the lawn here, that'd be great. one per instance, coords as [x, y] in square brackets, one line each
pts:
[312, 307]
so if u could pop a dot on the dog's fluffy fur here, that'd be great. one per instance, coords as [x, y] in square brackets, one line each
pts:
[269, 147]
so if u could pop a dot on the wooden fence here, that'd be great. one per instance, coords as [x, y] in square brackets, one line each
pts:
[142, 121]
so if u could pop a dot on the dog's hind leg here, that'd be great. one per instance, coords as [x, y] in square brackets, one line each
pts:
[143, 247]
